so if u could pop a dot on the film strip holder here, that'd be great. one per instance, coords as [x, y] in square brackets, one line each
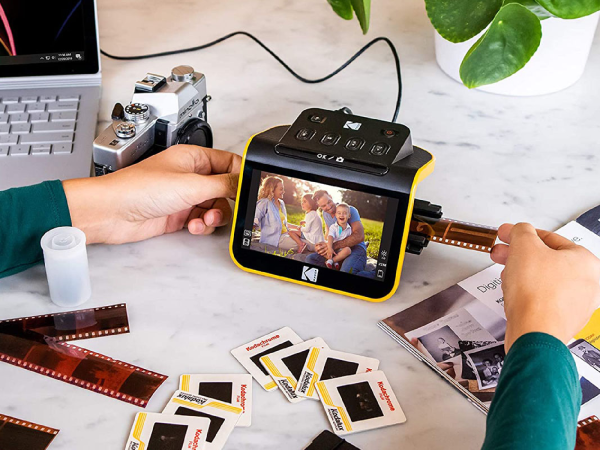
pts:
[428, 224]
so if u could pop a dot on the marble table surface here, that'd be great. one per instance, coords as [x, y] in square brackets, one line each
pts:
[498, 159]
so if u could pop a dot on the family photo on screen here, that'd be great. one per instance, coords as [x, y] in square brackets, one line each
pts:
[323, 225]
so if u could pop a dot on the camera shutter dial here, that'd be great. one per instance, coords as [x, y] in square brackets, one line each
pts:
[137, 112]
[125, 130]
[183, 73]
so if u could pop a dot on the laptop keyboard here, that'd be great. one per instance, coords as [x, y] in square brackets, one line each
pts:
[33, 125]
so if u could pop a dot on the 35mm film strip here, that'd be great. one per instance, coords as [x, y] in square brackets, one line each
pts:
[588, 434]
[20, 434]
[38, 344]
[467, 235]
[72, 325]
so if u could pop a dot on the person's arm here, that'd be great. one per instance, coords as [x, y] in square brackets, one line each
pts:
[551, 287]
[184, 186]
[537, 399]
[357, 236]
[310, 222]
[330, 243]
[25, 215]
[259, 213]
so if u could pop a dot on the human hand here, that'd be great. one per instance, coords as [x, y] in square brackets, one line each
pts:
[184, 185]
[302, 223]
[321, 249]
[550, 284]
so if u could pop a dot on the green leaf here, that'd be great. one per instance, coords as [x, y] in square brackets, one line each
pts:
[362, 8]
[571, 9]
[504, 49]
[342, 8]
[460, 20]
[534, 7]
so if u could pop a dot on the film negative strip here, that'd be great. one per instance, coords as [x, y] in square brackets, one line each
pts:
[588, 434]
[467, 235]
[20, 434]
[23, 345]
[72, 325]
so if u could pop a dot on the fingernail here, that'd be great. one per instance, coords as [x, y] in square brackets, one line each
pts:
[199, 228]
[214, 218]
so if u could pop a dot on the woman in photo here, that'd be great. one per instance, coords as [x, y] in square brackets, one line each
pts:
[271, 216]
[311, 228]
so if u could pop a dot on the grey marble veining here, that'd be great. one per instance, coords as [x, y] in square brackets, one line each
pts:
[498, 159]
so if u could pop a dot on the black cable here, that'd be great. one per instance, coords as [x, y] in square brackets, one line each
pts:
[280, 61]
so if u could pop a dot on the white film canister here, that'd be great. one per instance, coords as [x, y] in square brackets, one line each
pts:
[65, 258]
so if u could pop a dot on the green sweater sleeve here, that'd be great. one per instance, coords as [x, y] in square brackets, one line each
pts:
[537, 399]
[25, 215]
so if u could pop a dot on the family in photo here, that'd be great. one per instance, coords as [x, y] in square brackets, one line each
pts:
[325, 233]
[488, 362]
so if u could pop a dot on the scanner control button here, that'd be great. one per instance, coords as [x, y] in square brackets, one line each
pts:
[379, 149]
[389, 133]
[355, 143]
[316, 118]
[330, 139]
[305, 134]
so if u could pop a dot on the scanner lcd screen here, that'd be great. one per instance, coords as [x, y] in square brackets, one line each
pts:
[292, 218]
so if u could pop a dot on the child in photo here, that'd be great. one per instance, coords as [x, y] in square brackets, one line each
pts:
[339, 230]
[311, 228]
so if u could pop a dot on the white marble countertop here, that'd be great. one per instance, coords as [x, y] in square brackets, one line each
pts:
[498, 159]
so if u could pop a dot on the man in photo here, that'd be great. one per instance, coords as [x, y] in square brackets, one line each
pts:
[448, 351]
[498, 361]
[591, 357]
[356, 262]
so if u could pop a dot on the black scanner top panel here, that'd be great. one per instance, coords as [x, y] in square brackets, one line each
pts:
[337, 145]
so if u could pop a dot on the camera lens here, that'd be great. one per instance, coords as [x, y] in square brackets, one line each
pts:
[195, 132]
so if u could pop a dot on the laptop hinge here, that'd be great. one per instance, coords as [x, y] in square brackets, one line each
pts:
[51, 81]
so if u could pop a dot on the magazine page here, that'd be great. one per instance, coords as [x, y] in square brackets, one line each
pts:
[460, 331]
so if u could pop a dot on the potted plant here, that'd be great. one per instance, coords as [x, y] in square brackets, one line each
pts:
[513, 47]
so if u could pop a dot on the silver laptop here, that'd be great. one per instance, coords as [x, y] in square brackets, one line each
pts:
[49, 90]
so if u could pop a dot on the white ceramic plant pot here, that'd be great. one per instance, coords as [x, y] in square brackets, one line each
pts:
[558, 63]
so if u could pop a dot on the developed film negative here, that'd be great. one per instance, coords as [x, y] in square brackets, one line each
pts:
[588, 434]
[72, 325]
[222, 416]
[454, 232]
[17, 434]
[326, 364]
[155, 431]
[249, 354]
[360, 402]
[329, 441]
[285, 366]
[38, 344]
[231, 388]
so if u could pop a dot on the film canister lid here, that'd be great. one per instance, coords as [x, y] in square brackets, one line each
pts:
[65, 258]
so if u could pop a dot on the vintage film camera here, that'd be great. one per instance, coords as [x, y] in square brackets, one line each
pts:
[163, 112]
[371, 165]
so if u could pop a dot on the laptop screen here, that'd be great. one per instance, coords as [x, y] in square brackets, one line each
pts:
[42, 37]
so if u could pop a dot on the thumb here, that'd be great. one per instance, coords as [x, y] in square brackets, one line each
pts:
[208, 187]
